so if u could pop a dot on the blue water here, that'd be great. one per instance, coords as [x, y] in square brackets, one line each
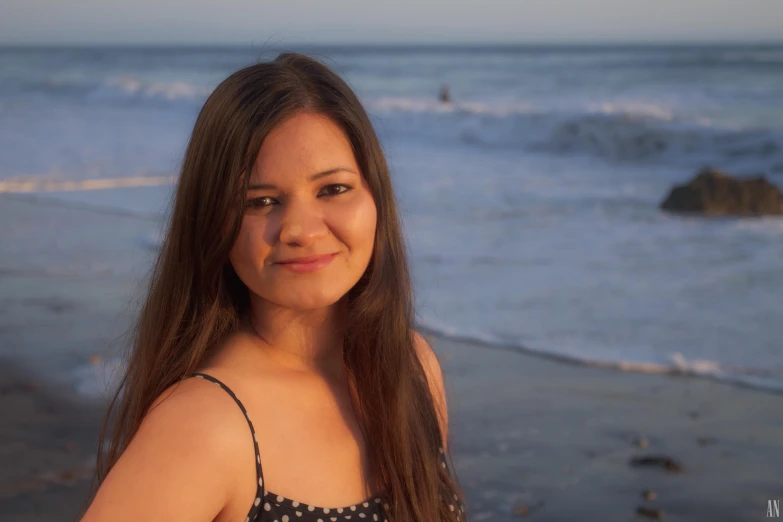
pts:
[529, 204]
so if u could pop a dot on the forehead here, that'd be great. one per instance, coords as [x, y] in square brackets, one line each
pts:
[300, 146]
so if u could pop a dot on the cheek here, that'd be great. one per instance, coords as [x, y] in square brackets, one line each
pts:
[249, 249]
[358, 223]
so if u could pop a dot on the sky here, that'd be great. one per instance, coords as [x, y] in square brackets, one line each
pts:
[398, 21]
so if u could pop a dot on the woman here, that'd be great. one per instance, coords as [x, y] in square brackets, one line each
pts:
[281, 302]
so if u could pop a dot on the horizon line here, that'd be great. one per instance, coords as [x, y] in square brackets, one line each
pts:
[407, 44]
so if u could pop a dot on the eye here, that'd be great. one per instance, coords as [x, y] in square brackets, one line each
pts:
[259, 202]
[343, 189]
[329, 190]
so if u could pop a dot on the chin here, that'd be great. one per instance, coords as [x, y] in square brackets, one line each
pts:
[315, 300]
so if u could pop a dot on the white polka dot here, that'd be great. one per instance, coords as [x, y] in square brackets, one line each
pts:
[366, 504]
[451, 507]
[348, 517]
[375, 517]
[285, 518]
[361, 515]
[247, 519]
[443, 464]
[326, 510]
[260, 482]
[299, 513]
[320, 520]
[333, 519]
[295, 503]
[353, 508]
[279, 498]
[310, 508]
[267, 507]
[339, 510]
[257, 501]
[258, 459]
[377, 501]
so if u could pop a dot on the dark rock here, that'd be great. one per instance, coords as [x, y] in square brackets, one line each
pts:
[655, 513]
[656, 460]
[713, 193]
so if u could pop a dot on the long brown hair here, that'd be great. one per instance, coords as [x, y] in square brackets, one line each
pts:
[195, 299]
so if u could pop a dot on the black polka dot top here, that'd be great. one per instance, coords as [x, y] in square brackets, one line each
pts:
[276, 508]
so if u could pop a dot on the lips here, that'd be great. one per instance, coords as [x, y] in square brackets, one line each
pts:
[307, 264]
[305, 260]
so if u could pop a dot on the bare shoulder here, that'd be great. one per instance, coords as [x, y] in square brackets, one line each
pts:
[431, 364]
[182, 463]
[426, 354]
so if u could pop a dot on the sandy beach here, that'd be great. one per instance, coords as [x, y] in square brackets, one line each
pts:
[531, 433]
[47, 448]
[532, 438]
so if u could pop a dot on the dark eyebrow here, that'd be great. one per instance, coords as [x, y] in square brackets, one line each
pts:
[319, 175]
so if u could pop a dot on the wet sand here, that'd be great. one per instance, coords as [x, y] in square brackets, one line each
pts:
[529, 435]
[47, 448]
[557, 439]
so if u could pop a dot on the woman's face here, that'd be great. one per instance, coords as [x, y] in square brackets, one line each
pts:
[306, 198]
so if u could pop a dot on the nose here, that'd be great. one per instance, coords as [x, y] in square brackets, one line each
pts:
[301, 223]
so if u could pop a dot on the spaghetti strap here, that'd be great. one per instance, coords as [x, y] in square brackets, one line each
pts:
[273, 507]
[255, 510]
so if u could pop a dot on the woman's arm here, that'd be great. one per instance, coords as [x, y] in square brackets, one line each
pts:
[183, 462]
[429, 361]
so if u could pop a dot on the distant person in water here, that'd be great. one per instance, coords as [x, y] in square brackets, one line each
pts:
[445, 95]
[275, 374]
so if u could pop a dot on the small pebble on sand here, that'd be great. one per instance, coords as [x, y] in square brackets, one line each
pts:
[653, 513]
[656, 461]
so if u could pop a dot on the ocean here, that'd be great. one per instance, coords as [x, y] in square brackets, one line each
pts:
[530, 203]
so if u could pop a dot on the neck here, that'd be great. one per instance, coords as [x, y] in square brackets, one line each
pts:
[304, 340]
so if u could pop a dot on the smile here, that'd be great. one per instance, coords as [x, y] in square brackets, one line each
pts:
[310, 265]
